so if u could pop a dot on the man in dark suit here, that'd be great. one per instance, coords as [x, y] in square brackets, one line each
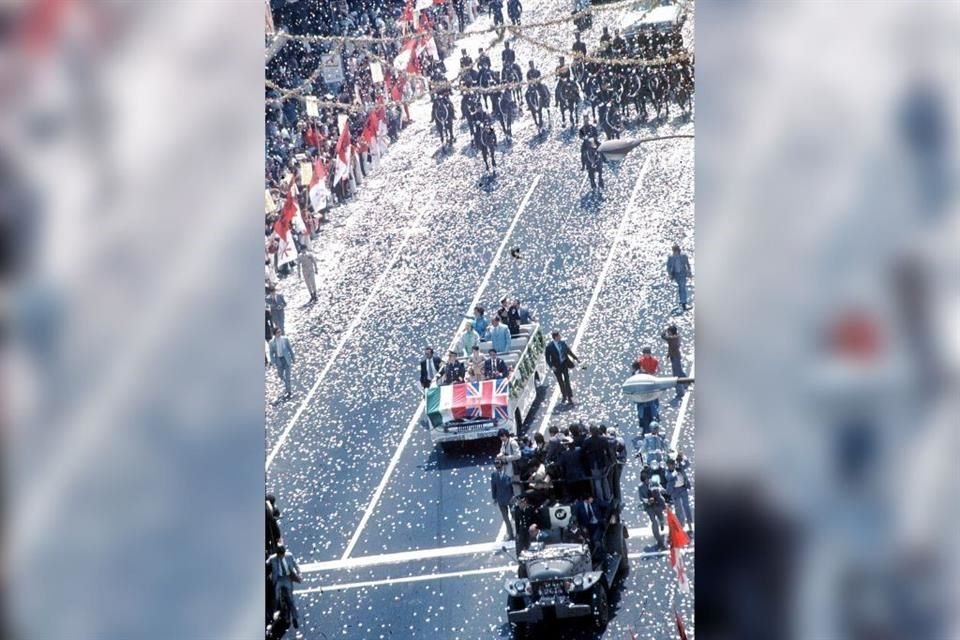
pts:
[596, 449]
[559, 357]
[501, 492]
[590, 516]
[452, 371]
[494, 367]
[429, 367]
[573, 468]
[554, 445]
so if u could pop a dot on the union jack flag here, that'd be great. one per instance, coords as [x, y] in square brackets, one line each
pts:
[488, 399]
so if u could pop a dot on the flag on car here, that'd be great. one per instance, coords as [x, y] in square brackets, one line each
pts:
[446, 403]
[488, 399]
[678, 540]
[468, 400]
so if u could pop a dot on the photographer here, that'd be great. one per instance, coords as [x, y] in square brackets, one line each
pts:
[654, 503]
[678, 488]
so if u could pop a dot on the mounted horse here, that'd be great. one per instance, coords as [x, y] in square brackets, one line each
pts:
[568, 99]
[538, 99]
[443, 115]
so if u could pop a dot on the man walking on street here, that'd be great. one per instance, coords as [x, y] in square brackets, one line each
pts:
[651, 497]
[501, 492]
[559, 357]
[678, 268]
[281, 355]
[307, 265]
[678, 488]
[672, 337]
[284, 572]
[649, 411]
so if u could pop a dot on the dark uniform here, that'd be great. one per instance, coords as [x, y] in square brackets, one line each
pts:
[533, 74]
[589, 131]
[465, 60]
[651, 497]
[508, 56]
[483, 60]
[592, 162]
[486, 139]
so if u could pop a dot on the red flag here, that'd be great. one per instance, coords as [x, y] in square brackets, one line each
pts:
[369, 132]
[678, 540]
[407, 15]
[290, 209]
[313, 137]
[343, 155]
[681, 632]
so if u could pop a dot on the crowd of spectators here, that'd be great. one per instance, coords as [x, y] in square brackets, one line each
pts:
[293, 136]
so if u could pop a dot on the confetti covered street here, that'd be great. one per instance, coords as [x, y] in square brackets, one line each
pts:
[396, 538]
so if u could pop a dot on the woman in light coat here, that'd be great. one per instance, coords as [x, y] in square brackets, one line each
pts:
[469, 339]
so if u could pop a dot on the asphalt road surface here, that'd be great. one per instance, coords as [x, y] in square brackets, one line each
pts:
[396, 538]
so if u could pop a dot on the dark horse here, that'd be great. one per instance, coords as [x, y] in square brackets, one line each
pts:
[471, 109]
[513, 74]
[568, 97]
[487, 79]
[538, 99]
[504, 108]
[443, 116]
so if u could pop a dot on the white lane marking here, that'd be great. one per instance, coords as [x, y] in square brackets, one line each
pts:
[683, 411]
[416, 416]
[405, 579]
[387, 582]
[354, 323]
[593, 301]
[402, 556]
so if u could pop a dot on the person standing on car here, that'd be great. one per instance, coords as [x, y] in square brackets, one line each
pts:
[452, 370]
[429, 367]
[560, 358]
[501, 492]
[651, 498]
[498, 335]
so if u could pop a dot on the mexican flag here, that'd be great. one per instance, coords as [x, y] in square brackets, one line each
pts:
[468, 400]
[447, 403]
